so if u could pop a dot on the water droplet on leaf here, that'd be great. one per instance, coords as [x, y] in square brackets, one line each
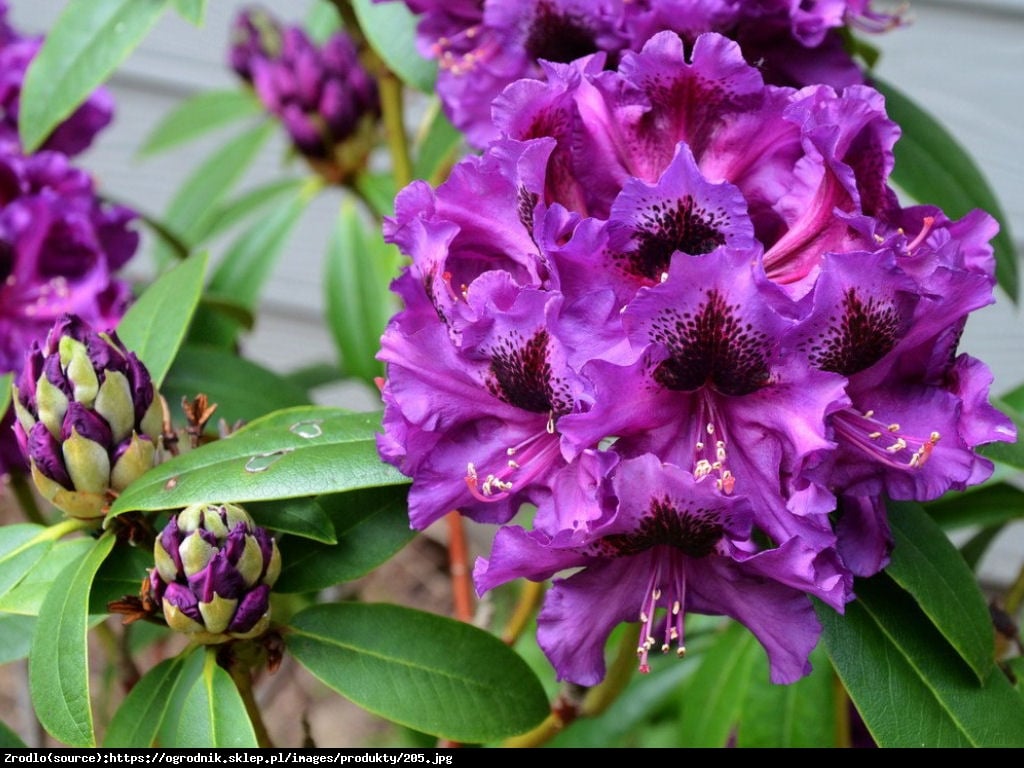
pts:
[264, 461]
[310, 428]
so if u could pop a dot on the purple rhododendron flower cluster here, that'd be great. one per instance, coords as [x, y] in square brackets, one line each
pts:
[481, 46]
[60, 245]
[322, 94]
[680, 314]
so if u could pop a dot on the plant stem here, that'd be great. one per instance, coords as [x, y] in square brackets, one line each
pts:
[576, 701]
[393, 112]
[458, 565]
[529, 599]
[243, 681]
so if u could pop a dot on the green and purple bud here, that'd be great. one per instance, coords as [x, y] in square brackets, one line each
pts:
[88, 418]
[214, 570]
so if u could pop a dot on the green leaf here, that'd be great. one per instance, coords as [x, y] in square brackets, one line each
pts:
[198, 115]
[718, 688]
[303, 517]
[990, 505]
[798, 715]
[358, 270]
[242, 390]
[21, 547]
[932, 167]
[296, 452]
[252, 201]
[438, 148]
[155, 325]
[371, 526]
[191, 210]
[1010, 454]
[378, 192]
[390, 29]
[6, 388]
[15, 637]
[119, 576]
[245, 267]
[212, 712]
[9, 739]
[927, 565]
[424, 671]
[137, 720]
[27, 597]
[58, 668]
[85, 45]
[191, 10]
[907, 682]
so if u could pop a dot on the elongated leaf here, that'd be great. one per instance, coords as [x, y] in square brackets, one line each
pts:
[291, 453]
[907, 682]
[927, 565]
[358, 270]
[9, 739]
[191, 10]
[199, 115]
[426, 672]
[119, 576]
[58, 667]
[213, 713]
[303, 518]
[798, 715]
[248, 203]
[934, 168]
[155, 325]
[391, 29]
[137, 721]
[15, 637]
[27, 597]
[437, 150]
[195, 203]
[242, 390]
[6, 387]
[718, 689]
[994, 504]
[371, 526]
[21, 547]
[244, 269]
[85, 45]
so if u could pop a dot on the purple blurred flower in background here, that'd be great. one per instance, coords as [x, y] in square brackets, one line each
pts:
[481, 46]
[323, 95]
[75, 134]
[60, 244]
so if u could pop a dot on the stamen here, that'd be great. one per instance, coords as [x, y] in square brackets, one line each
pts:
[887, 445]
[926, 228]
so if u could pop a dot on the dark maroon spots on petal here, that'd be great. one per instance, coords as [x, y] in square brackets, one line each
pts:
[668, 227]
[694, 532]
[864, 333]
[711, 346]
[558, 36]
[520, 374]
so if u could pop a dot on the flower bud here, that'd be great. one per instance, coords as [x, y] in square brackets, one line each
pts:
[88, 418]
[214, 570]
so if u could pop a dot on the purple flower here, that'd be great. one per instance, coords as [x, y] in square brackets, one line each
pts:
[88, 418]
[670, 265]
[671, 544]
[483, 47]
[214, 570]
[325, 98]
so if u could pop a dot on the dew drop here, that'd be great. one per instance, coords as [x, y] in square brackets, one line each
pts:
[264, 461]
[309, 429]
